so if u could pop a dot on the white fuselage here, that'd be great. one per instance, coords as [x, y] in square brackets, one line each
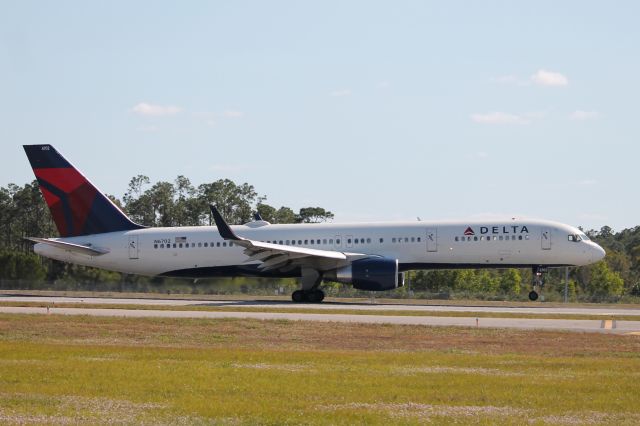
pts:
[200, 251]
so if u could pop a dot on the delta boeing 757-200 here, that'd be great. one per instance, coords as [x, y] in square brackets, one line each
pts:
[369, 256]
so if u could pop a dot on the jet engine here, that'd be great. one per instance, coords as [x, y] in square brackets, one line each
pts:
[373, 274]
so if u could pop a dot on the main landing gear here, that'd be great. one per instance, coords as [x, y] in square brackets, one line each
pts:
[308, 296]
[310, 293]
[538, 281]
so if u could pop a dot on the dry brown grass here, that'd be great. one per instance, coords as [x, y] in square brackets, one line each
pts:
[300, 335]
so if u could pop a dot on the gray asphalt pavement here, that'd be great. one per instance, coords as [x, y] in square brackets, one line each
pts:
[621, 327]
[536, 308]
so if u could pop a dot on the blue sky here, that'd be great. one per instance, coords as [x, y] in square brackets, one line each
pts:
[374, 110]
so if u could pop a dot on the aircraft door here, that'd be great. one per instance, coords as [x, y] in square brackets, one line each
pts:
[546, 239]
[133, 247]
[432, 239]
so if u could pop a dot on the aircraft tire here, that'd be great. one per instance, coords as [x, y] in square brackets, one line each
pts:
[533, 296]
[315, 296]
[299, 296]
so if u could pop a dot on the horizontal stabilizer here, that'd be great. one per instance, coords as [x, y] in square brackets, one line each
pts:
[76, 248]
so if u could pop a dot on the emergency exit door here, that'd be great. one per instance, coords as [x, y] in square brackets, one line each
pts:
[545, 238]
[432, 239]
[133, 247]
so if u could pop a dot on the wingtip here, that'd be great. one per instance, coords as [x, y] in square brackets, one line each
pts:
[223, 228]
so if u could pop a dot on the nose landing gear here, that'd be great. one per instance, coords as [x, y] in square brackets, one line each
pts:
[538, 281]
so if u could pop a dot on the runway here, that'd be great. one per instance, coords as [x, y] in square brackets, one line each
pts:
[619, 327]
[536, 308]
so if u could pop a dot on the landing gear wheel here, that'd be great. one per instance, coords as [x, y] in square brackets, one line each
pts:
[315, 296]
[298, 296]
[310, 296]
[533, 296]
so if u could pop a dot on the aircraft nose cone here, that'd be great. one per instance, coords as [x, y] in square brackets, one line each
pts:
[597, 253]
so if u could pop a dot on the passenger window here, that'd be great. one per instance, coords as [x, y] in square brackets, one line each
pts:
[155, 246]
[224, 244]
[318, 241]
[413, 239]
[456, 238]
[180, 245]
[418, 239]
[381, 240]
[338, 241]
[324, 241]
[293, 242]
[393, 240]
[331, 241]
[312, 242]
[218, 244]
[520, 237]
[406, 239]
[305, 241]
[475, 238]
[356, 241]
[174, 245]
[349, 241]
[368, 240]
[500, 238]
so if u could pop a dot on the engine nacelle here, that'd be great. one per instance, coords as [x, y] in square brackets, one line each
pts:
[376, 274]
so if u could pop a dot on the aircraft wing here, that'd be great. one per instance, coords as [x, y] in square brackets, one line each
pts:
[76, 248]
[277, 256]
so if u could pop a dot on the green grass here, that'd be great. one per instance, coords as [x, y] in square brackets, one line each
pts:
[86, 370]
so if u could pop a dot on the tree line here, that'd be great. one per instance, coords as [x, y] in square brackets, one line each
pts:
[23, 213]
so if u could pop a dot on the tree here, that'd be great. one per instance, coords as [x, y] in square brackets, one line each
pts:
[235, 202]
[510, 281]
[604, 282]
[313, 215]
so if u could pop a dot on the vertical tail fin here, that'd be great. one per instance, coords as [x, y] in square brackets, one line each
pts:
[78, 207]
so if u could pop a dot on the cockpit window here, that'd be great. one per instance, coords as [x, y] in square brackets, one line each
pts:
[578, 237]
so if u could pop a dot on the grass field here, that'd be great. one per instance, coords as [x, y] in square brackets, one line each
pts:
[89, 370]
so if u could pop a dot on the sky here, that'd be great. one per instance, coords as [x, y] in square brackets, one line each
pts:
[373, 110]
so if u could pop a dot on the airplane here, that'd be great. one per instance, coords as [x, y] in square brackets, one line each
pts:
[369, 256]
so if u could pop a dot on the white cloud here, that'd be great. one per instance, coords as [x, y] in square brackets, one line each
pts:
[233, 114]
[549, 78]
[587, 182]
[482, 154]
[152, 110]
[383, 84]
[580, 115]
[499, 118]
[340, 93]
